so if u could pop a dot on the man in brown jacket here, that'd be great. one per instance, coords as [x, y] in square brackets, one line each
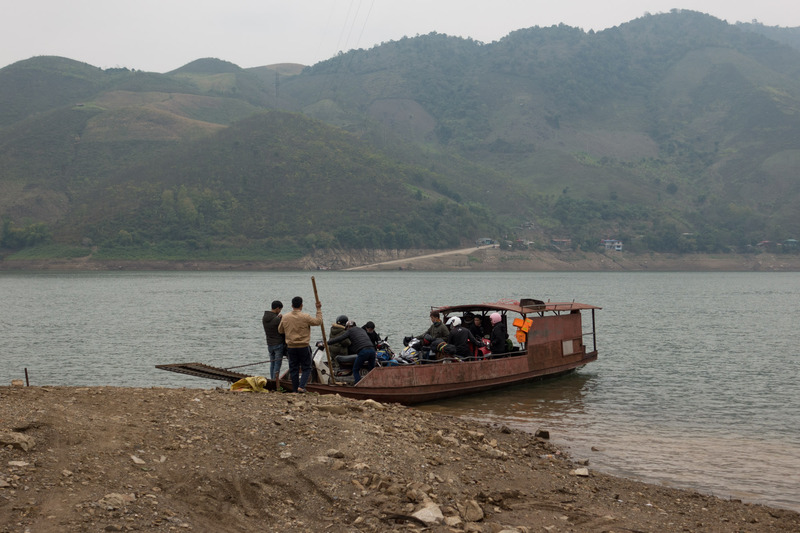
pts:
[296, 326]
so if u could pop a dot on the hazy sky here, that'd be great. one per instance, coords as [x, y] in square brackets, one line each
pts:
[162, 35]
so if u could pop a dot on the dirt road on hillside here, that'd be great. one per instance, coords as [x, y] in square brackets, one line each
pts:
[399, 262]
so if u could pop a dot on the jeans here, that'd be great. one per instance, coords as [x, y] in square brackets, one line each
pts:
[299, 359]
[276, 353]
[364, 355]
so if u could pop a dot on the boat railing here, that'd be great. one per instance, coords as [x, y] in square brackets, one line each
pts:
[468, 359]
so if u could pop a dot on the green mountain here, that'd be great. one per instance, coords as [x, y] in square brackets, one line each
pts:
[788, 36]
[682, 116]
[673, 132]
[276, 178]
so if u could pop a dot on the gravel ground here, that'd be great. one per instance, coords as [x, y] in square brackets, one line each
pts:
[132, 459]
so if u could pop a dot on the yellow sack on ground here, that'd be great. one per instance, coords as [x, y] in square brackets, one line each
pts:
[251, 384]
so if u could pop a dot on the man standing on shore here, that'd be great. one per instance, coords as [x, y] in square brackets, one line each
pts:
[276, 343]
[296, 326]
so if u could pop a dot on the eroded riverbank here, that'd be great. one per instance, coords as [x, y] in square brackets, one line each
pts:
[124, 459]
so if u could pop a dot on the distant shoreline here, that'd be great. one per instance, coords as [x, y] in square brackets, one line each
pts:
[483, 259]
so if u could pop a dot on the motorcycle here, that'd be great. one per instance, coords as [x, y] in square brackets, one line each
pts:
[428, 350]
[412, 352]
[422, 350]
[384, 352]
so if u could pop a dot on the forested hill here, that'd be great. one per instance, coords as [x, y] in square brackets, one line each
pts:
[673, 132]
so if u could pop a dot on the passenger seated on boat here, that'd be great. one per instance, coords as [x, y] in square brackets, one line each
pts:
[460, 337]
[428, 347]
[467, 319]
[497, 343]
[369, 327]
[362, 345]
[476, 327]
[445, 350]
[340, 348]
[436, 329]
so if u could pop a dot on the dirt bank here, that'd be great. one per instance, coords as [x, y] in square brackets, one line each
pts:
[477, 259]
[127, 459]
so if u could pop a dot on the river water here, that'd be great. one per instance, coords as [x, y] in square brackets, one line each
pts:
[696, 385]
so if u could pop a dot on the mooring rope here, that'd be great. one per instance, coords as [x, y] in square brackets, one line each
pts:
[249, 364]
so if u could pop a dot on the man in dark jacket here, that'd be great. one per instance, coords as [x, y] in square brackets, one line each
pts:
[369, 327]
[437, 329]
[476, 327]
[361, 344]
[276, 343]
[460, 337]
[499, 335]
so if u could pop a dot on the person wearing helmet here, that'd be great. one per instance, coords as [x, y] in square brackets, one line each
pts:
[464, 341]
[453, 322]
[337, 328]
[497, 343]
[361, 344]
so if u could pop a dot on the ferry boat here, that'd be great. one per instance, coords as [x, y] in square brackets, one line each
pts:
[549, 339]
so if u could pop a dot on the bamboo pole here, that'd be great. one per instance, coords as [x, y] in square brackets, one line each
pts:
[324, 337]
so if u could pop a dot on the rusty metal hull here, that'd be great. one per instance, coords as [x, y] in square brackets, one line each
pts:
[423, 383]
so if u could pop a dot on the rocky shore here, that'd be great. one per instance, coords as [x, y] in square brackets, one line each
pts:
[133, 459]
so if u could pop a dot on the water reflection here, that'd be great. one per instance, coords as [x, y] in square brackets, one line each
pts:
[526, 407]
[716, 461]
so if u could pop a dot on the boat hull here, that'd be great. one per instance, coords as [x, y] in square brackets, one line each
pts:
[414, 384]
